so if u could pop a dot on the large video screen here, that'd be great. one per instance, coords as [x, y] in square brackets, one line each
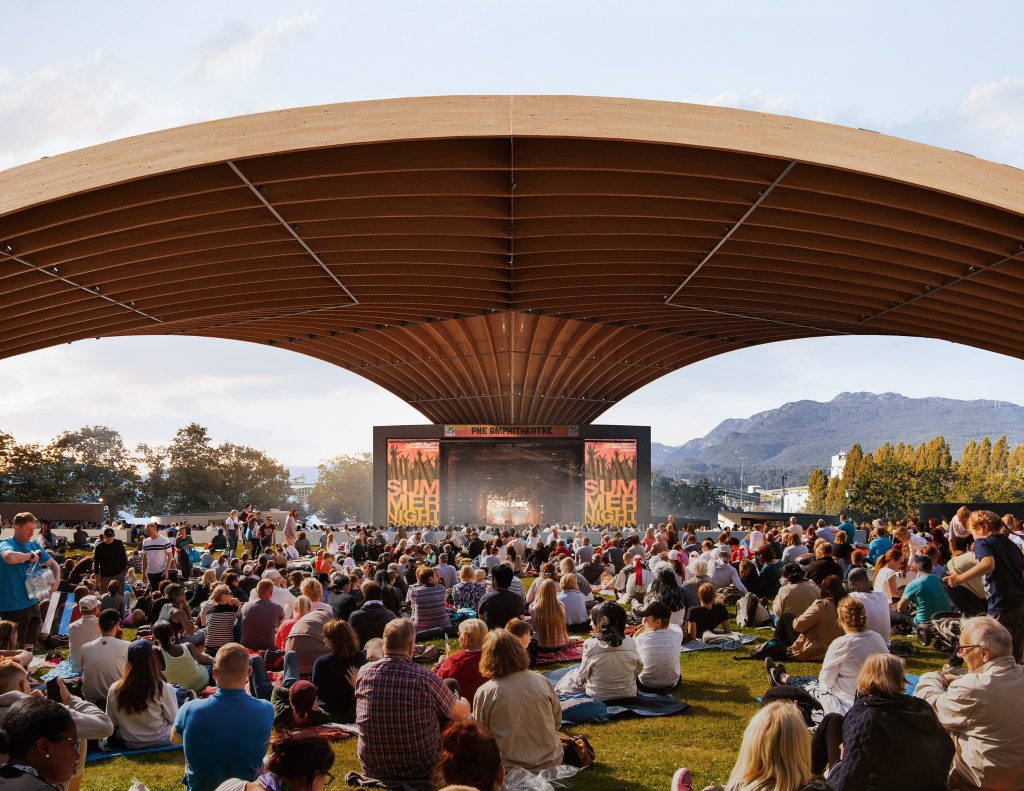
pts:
[414, 484]
[518, 482]
[609, 486]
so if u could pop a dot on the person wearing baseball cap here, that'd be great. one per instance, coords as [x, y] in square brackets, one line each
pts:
[84, 630]
[297, 707]
[142, 705]
[657, 643]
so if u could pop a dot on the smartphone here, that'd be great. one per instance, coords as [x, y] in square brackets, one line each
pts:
[53, 690]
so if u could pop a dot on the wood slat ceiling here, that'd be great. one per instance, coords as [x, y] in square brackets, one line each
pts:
[516, 278]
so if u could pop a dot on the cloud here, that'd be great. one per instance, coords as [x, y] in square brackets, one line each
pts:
[239, 50]
[52, 110]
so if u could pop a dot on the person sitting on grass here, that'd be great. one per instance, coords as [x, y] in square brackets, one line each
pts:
[467, 592]
[334, 674]
[226, 735]
[184, 664]
[103, 659]
[500, 605]
[657, 642]
[890, 741]
[924, 592]
[301, 606]
[429, 613]
[707, 615]
[142, 706]
[836, 686]
[295, 763]
[399, 708]
[463, 666]
[697, 576]
[667, 591]
[775, 755]
[572, 600]
[818, 626]
[470, 759]
[610, 662]
[549, 615]
[42, 744]
[981, 709]
[518, 706]
[296, 707]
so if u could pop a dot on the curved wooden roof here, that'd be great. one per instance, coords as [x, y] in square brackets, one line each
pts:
[523, 259]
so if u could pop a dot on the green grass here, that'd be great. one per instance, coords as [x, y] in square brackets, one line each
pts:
[631, 754]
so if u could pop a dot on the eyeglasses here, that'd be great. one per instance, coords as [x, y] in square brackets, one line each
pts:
[75, 744]
[961, 649]
[329, 780]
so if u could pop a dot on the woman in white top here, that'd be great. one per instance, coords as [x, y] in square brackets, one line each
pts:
[887, 573]
[836, 685]
[142, 706]
[610, 662]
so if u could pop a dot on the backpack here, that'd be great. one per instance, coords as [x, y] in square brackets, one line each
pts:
[576, 750]
[750, 612]
[728, 595]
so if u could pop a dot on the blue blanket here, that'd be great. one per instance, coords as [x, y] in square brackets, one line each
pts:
[103, 756]
[63, 670]
[583, 708]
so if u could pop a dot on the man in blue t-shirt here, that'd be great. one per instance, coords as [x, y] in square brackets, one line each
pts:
[849, 528]
[925, 592]
[20, 553]
[1000, 560]
[225, 736]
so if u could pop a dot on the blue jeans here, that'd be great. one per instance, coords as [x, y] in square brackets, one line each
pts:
[260, 679]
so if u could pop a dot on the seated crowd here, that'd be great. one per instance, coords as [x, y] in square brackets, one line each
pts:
[243, 652]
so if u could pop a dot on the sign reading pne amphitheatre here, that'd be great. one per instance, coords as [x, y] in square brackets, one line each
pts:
[485, 431]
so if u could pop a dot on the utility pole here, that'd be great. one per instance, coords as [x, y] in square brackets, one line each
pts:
[742, 499]
[782, 500]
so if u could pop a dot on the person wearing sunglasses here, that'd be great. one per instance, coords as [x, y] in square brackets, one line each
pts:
[297, 763]
[41, 741]
[981, 709]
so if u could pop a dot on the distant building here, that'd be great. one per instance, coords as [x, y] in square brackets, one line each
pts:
[838, 465]
[795, 502]
[301, 490]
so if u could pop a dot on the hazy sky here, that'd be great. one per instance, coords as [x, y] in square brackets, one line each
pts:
[949, 74]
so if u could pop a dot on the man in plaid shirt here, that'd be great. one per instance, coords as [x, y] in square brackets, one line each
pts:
[400, 708]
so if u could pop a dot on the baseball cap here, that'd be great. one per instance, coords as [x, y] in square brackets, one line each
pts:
[302, 696]
[655, 609]
[140, 650]
[89, 604]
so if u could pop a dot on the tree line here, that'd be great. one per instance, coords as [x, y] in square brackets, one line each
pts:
[894, 480]
[189, 474]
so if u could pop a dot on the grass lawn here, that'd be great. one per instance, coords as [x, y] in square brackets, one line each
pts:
[631, 754]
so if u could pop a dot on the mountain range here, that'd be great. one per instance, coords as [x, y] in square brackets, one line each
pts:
[801, 435]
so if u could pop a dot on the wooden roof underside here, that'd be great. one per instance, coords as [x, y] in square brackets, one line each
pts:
[535, 276]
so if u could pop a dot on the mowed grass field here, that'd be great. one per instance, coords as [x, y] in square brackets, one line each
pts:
[632, 754]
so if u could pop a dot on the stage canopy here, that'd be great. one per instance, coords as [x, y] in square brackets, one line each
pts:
[511, 260]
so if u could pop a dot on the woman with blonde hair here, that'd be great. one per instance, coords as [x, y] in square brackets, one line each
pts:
[463, 666]
[891, 741]
[549, 616]
[573, 602]
[300, 607]
[775, 754]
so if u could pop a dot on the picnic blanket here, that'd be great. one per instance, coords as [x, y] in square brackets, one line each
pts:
[578, 708]
[733, 642]
[332, 732]
[571, 653]
[101, 755]
[63, 670]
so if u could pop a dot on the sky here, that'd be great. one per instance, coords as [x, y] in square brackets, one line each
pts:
[948, 74]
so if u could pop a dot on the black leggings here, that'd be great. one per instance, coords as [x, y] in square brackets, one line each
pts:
[785, 634]
[826, 742]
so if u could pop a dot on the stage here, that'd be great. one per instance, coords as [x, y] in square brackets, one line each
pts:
[480, 474]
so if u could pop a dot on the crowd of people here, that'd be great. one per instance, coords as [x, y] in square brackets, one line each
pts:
[260, 639]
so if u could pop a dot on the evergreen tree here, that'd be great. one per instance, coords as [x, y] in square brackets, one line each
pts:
[817, 483]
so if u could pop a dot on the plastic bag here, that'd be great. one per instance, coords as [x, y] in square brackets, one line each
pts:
[519, 779]
[38, 581]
